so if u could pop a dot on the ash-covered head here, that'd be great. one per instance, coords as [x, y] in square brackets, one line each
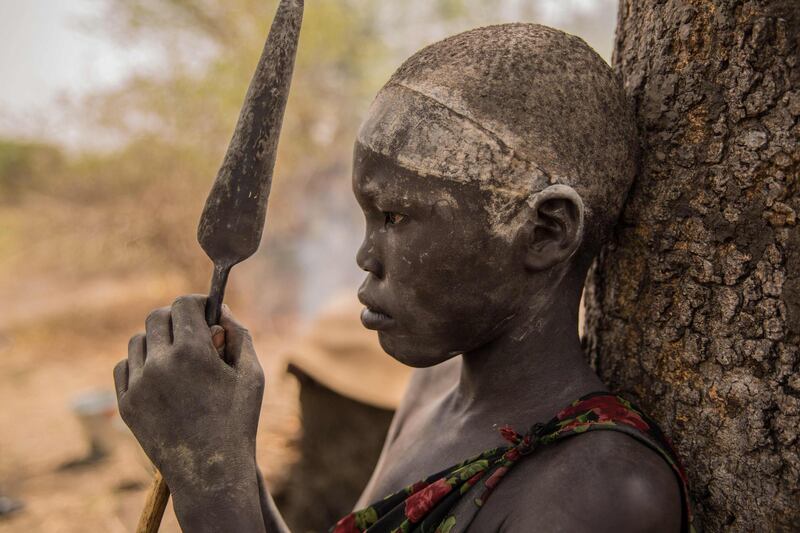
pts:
[514, 108]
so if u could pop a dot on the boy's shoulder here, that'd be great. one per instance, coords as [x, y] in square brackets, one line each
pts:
[556, 488]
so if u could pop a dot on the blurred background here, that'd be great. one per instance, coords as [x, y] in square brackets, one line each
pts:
[114, 117]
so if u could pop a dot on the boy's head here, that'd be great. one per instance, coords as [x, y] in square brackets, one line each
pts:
[491, 166]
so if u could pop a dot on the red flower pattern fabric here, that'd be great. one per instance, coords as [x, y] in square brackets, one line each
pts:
[607, 409]
[419, 503]
[447, 502]
[346, 525]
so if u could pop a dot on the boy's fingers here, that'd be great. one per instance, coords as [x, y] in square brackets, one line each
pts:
[158, 328]
[237, 339]
[137, 353]
[188, 318]
[218, 339]
[121, 378]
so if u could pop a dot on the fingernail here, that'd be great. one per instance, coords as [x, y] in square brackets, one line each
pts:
[218, 336]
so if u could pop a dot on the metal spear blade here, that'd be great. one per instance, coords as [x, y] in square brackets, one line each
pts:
[233, 218]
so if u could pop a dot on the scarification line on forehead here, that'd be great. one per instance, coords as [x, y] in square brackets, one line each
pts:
[463, 114]
[428, 137]
[421, 134]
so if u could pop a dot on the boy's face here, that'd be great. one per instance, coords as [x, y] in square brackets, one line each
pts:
[439, 282]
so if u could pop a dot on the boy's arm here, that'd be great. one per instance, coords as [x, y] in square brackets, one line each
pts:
[234, 507]
[599, 482]
[273, 521]
[196, 415]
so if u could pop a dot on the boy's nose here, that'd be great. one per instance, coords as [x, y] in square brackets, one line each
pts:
[367, 262]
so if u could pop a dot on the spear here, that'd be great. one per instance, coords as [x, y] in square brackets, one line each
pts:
[232, 222]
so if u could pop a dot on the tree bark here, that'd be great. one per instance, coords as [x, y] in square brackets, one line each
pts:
[693, 308]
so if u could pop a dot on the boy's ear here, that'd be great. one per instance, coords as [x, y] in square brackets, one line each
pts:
[555, 228]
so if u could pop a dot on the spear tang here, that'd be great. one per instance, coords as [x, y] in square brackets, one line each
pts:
[232, 222]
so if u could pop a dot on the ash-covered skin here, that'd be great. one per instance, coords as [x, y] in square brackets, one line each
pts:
[513, 107]
[447, 282]
[489, 169]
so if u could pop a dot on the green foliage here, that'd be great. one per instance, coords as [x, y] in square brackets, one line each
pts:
[26, 166]
[135, 208]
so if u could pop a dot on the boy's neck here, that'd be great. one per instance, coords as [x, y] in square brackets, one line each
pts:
[536, 367]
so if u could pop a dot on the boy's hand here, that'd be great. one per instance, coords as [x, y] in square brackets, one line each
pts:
[194, 414]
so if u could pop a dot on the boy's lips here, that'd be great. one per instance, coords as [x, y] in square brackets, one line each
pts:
[372, 316]
[373, 319]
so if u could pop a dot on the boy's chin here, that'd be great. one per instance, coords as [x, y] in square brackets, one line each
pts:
[413, 352]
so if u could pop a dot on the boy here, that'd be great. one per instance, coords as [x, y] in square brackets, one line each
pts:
[490, 169]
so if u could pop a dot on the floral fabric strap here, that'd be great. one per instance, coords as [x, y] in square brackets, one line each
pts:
[448, 501]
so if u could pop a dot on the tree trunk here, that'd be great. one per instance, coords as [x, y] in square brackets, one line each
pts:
[693, 309]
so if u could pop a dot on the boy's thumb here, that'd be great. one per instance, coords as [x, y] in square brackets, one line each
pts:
[218, 339]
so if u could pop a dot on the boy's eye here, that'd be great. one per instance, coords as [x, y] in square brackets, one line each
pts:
[392, 218]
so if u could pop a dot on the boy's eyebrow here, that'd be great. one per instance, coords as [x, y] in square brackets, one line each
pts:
[377, 194]
[374, 194]
[370, 190]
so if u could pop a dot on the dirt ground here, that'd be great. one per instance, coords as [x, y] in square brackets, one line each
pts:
[63, 340]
